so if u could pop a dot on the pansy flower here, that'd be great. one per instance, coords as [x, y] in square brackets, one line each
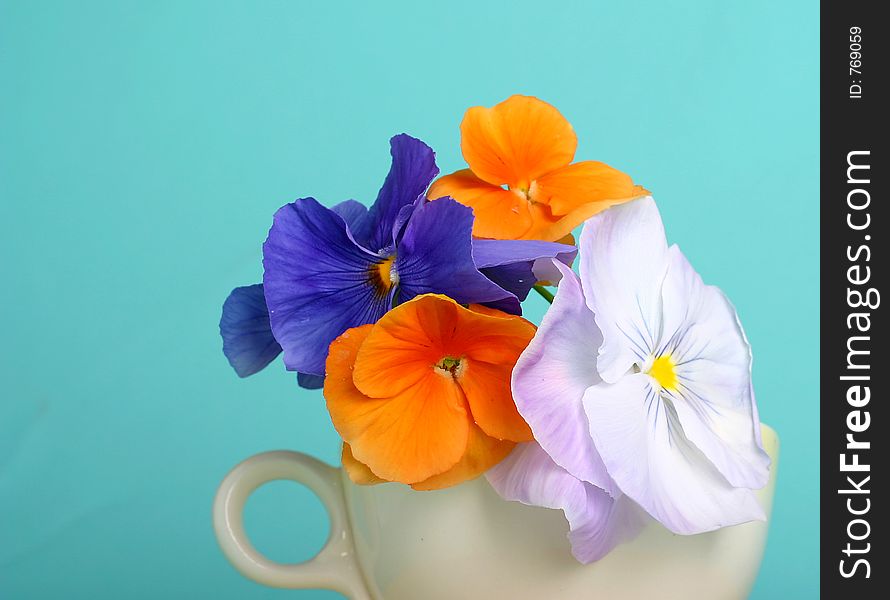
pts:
[662, 416]
[329, 269]
[522, 182]
[423, 396]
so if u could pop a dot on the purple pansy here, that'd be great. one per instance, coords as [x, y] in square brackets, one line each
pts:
[329, 269]
[661, 419]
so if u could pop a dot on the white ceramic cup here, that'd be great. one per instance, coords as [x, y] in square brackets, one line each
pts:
[390, 542]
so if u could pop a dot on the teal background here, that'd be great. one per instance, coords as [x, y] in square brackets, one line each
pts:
[144, 147]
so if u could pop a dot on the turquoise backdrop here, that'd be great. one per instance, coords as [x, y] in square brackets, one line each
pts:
[145, 145]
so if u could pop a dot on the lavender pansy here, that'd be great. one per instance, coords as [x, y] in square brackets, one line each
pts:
[552, 375]
[326, 270]
[663, 415]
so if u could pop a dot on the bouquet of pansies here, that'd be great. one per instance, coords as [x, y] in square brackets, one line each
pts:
[631, 401]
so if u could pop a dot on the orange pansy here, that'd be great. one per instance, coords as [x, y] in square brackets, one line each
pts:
[525, 145]
[423, 396]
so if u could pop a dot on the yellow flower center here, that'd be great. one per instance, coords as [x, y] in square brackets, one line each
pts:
[662, 370]
[382, 275]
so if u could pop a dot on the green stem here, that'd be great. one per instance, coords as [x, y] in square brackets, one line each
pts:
[545, 293]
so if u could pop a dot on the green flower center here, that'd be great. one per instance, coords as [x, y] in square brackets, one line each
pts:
[450, 365]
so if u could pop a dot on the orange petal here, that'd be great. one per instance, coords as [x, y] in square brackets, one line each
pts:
[358, 472]
[404, 346]
[491, 343]
[568, 239]
[499, 213]
[409, 437]
[565, 190]
[547, 226]
[491, 312]
[487, 387]
[489, 335]
[482, 453]
[516, 141]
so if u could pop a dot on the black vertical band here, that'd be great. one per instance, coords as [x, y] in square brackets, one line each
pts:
[855, 363]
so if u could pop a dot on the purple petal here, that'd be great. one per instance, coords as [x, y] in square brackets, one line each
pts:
[354, 213]
[512, 263]
[550, 379]
[640, 438]
[435, 256]
[248, 342]
[516, 277]
[494, 253]
[317, 283]
[597, 522]
[310, 382]
[413, 169]
[403, 217]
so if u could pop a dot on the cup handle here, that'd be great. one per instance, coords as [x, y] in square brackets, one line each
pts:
[335, 567]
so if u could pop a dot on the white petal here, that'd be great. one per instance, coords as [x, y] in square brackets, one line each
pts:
[551, 376]
[714, 399]
[623, 262]
[528, 475]
[642, 443]
[597, 522]
[544, 269]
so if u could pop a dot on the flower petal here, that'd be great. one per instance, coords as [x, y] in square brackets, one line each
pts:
[512, 264]
[403, 217]
[413, 168]
[597, 522]
[405, 345]
[317, 283]
[530, 476]
[642, 443]
[408, 437]
[358, 472]
[585, 183]
[495, 253]
[435, 255]
[623, 262]
[310, 382]
[516, 141]
[248, 342]
[565, 198]
[713, 365]
[500, 214]
[551, 377]
[492, 336]
[487, 388]
[354, 213]
[482, 453]
[611, 521]
[492, 341]
[546, 270]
